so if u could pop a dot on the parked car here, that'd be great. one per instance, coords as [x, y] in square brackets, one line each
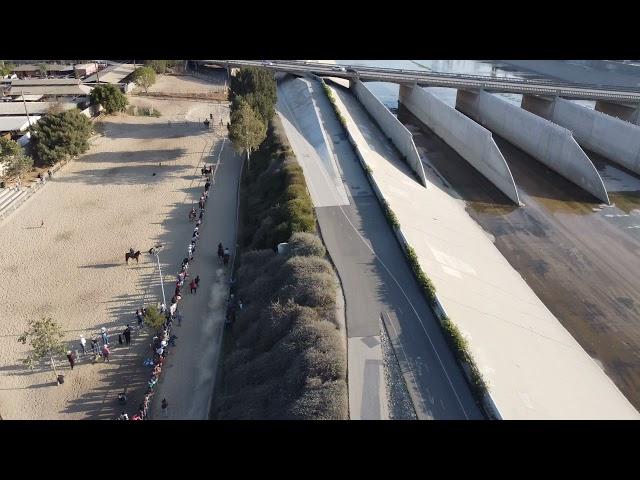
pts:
[338, 68]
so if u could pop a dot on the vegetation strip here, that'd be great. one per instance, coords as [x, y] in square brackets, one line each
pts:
[451, 331]
[283, 356]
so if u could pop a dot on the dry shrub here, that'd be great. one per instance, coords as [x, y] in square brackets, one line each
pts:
[321, 401]
[237, 357]
[298, 267]
[276, 323]
[311, 290]
[306, 244]
[247, 403]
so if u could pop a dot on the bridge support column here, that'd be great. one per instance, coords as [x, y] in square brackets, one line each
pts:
[626, 112]
[467, 101]
[541, 106]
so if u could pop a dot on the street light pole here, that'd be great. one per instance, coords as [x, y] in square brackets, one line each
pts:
[157, 249]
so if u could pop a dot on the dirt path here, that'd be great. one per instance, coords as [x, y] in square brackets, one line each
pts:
[189, 375]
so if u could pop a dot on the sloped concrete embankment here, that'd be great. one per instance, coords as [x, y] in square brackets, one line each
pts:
[604, 134]
[550, 144]
[392, 127]
[471, 141]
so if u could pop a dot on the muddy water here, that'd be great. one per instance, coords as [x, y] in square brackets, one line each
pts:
[580, 257]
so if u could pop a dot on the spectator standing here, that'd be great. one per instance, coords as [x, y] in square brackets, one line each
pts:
[165, 408]
[83, 343]
[127, 335]
[72, 358]
[94, 346]
[106, 352]
[105, 336]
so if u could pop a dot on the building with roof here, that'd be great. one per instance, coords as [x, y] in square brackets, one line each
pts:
[31, 70]
[84, 69]
[14, 127]
[33, 108]
[65, 92]
[116, 74]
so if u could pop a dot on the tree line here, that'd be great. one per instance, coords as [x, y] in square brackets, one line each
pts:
[253, 101]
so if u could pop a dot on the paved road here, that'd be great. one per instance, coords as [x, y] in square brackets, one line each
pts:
[378, 282]
[189, 375]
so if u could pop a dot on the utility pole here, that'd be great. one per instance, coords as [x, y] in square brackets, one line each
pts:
[25, 108]
[157, 254]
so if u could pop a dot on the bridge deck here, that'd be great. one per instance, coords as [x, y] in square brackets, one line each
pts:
[451, 80]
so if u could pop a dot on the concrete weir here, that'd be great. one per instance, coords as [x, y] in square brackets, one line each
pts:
[552, 145]
[471, 141]
[392, 128]
[608, 136]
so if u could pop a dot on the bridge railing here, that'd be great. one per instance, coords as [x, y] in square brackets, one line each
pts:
[544, 87]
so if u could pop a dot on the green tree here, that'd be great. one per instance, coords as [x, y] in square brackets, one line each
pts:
[154, 317]
[144, 77]
[110, 97]
[43, 69]
[9, 147]
[18, 164]
[6, 68]
[45, 338]
[158, 66]
[13, 156]
[60, 135]
[257, 86]
[247, 130]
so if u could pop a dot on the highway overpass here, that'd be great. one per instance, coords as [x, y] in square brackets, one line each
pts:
[547, 88]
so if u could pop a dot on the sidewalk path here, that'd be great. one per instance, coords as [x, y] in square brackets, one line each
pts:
[189, 374]
[377, 281]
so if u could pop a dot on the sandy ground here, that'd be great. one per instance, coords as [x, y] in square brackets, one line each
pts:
[73, 269]
[185, 84]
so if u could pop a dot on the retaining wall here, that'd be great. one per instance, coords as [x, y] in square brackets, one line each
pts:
[392, 128]
[606, 135]
[471, 141]
[552, 145]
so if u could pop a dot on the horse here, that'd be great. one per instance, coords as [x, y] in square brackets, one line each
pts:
[129, 255]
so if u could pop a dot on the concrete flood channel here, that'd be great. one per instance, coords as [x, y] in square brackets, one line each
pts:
[581, 257]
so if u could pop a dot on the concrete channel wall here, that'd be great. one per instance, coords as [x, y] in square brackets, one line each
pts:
[392, 128]
[471, 141]
[608, 136]
[552, 145]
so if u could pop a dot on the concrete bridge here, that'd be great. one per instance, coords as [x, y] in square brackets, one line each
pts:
[546, 88]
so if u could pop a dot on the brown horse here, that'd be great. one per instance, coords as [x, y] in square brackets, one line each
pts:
[129, 255]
